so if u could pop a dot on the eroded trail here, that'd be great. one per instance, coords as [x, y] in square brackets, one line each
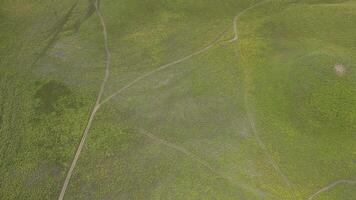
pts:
[247, 106]
[99, 102]
[262, 145]
[96, 106]
[215, 42]
[332, 185]
[236, 18]
[160, 68]
[196, 158]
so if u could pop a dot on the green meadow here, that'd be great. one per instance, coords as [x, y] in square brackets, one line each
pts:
[229, 99]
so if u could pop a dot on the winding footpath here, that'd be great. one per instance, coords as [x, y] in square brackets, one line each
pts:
[196, 158]
[99, 102]
[96, 106]
[236, 18]
[262, 145]
[160, 68]
[214, 43]
[330, 186]
[247, 107]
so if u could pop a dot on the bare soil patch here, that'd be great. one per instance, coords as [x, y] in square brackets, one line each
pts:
[340, 69]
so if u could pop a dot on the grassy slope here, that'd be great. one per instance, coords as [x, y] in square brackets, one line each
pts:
[39, 112]
[170, 90]
[283, 62]
[305, 112]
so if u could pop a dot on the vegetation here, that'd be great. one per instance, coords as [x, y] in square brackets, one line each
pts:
[270, 115]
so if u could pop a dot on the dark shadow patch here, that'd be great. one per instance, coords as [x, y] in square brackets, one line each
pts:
[89, 12]
[56, 30]
[49, 94]
[56, 170]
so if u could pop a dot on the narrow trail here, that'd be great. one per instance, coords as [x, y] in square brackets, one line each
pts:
[204, 163]
[160, 68]
[236, 18]
[180, 149]
[215, 42]
[96, 106]
[99, 102]
[262, 144]
[247, 107]
[332, 185]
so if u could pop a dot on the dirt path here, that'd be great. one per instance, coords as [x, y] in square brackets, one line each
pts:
[247, 107]
[236, 18]
[330, 186]
[96, 106]
[100, 102]
[215, 42]
[160, 68]
[262, 144]
[204, 163]
[178, 148]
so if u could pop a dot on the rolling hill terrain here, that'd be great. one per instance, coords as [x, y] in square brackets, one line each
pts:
[178, 99]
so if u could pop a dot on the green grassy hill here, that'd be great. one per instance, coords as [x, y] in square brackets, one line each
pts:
[207, 111]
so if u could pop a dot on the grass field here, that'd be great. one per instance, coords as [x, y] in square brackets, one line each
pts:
[231, 99]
